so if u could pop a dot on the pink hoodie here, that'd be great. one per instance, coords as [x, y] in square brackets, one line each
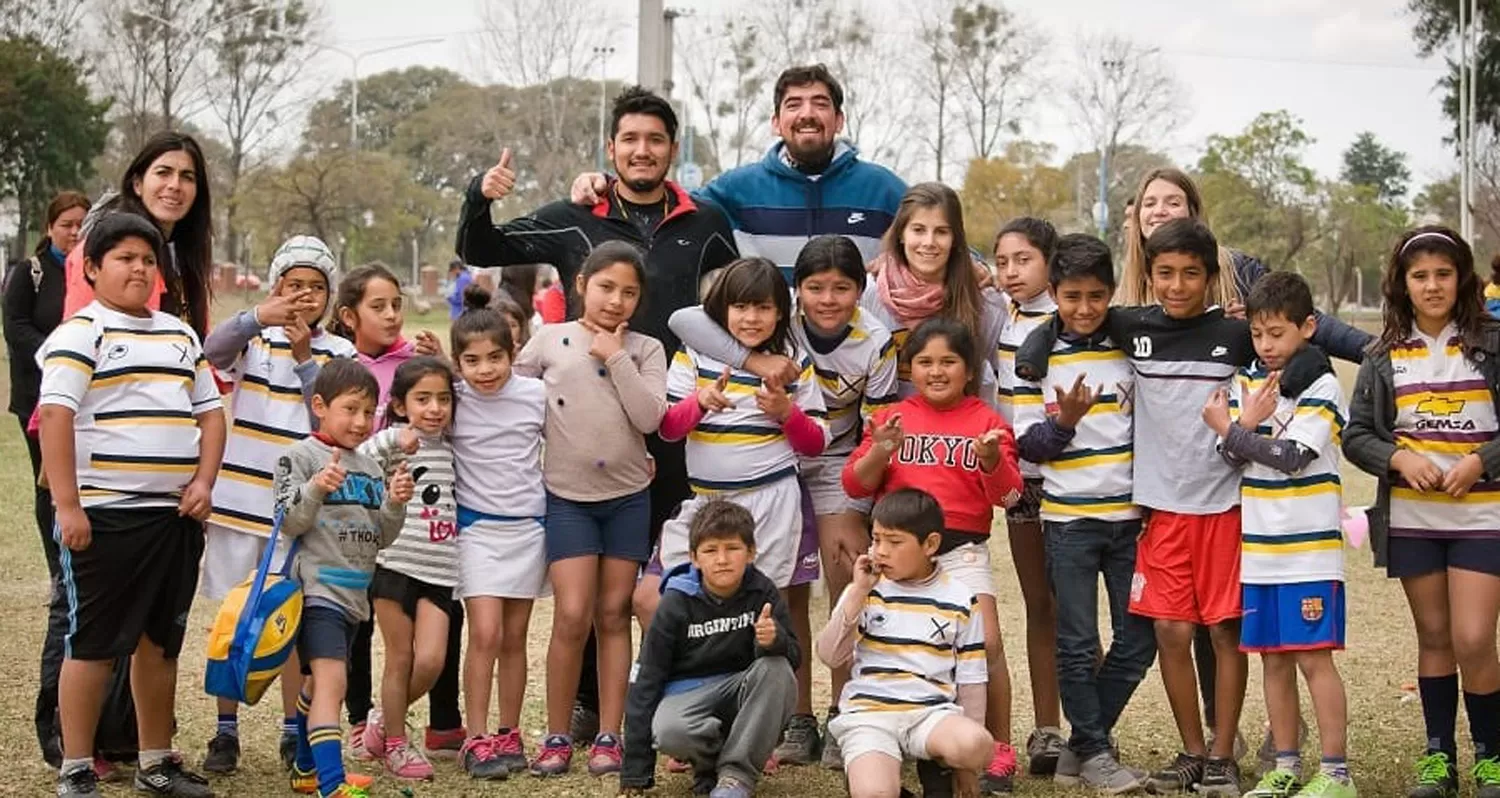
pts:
[384, 368]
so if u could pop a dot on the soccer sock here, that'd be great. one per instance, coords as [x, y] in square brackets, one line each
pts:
[1484, 723]
[1336, 767]
[1290, 761]
[150, 759]
[327, 753]
[305, 761]
[1440, 711]
[70, 765]
[289, 725]
[229, 724]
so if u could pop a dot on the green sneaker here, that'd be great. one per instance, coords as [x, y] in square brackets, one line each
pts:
[1487, 778]
[1436, 777]
[1326, 786]
[1276, 784]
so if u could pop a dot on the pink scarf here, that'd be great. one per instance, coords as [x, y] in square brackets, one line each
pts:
[909, 299]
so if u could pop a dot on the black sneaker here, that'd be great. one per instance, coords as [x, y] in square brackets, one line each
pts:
[80, 783]
[800, 742]
[936, 780]
[705, 782]
[583, 726]
[1183, 775]
[168, 778]
[288, 750]
[223, 755]
[1220, 777]
[1436, 777]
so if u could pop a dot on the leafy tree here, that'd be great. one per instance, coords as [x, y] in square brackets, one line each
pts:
[1358, 228]
[1258, 193]
[995, 51]
[50, 130]
[1436, 29]
[1020, 184]
[1129, 164]
[385, 99]
[1437, 202]
[1367, 162]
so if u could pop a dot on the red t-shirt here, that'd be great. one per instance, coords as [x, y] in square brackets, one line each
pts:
[937, 456]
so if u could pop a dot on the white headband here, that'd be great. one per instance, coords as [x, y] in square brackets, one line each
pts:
[1420, 236]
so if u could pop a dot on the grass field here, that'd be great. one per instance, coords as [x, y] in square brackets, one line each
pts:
[1385, 735]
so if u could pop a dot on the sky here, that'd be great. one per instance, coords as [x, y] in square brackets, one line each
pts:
[1341, 66]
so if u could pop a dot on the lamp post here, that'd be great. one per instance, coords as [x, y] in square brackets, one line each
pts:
[354, 59]
[603, 54]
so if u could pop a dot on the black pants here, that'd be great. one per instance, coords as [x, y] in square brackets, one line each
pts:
[668, 490]
[1208, 677]
[57, 616]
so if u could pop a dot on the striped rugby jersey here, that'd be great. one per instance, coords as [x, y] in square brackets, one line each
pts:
[269, 415]
[1011, 396]
[136, 385]
[992, 322]
[1292, 522]
[1444, 411]
[1178, 364]
[1093, 476]
[857, 378]
[427, 548]
[917, 642]
[741, 447]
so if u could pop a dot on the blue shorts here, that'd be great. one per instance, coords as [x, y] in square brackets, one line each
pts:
[326, 633]
[1303, 616]
[616, 528]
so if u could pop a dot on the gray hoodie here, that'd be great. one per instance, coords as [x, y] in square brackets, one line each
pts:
[342, 531]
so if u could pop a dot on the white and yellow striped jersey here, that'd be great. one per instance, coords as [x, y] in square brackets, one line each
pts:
[1093, 477]
[917, 642]
[136, 385]
[1292, 523]
[1444, 411]
[740, 447]
[269, 415]
[857, 378]
[1021, 319]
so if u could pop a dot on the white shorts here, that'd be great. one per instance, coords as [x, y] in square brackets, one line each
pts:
[777, 510]
[970, 565]
[502, 559]
[231, 556]
[824, 478]
[898, 735]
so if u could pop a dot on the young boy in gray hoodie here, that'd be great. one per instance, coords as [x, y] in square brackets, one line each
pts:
[344, 508]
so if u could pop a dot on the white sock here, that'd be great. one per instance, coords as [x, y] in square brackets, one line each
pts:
[70, 765]
[150, 759]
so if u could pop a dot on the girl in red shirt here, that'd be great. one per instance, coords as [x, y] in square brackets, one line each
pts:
[945, 441]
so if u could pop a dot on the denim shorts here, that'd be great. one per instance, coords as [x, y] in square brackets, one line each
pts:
[619, 529]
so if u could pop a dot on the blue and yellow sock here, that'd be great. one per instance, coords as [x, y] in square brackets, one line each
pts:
[289, 725]
[305, 761]
[328, 756]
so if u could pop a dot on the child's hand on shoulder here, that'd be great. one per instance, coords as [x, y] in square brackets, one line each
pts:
[772, 366]
[401, 486]
[331, 477]
[765, 628]
[1074, 403]
[407, 440]
[712, 398]
[773, 400]
[605, 343]
[1216, 412]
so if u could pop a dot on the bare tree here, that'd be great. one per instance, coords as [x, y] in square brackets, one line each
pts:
[54, 23]
[995, 52]
[939, 80]
[1120, 90]
[150, 53]
[880, 116]
[724, 71]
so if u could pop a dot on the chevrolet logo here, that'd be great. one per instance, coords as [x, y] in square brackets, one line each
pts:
[1440, 406]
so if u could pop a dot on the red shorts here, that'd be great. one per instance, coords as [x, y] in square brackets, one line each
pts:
[1187, 568]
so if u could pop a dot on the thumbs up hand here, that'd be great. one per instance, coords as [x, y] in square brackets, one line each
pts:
[401, 485]
[500, 179]
[712, 399]
[765, 628]
[332, 476]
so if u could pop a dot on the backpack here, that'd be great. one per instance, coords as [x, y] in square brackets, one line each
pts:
[256, 629]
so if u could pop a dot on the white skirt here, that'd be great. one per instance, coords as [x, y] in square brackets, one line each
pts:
[777, 509]
[502, 559]
[231, 556]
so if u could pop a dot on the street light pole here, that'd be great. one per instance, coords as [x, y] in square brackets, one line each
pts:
[354, 59]
[603, 54]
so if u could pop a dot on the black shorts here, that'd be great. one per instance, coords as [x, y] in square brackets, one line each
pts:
[670, 488]
[137, 577]
[1408, 557]
[326, 633]
[406, 591]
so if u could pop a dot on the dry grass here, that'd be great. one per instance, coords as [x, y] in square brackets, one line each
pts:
[1385, 733]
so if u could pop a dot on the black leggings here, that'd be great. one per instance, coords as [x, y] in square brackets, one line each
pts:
[45, 717]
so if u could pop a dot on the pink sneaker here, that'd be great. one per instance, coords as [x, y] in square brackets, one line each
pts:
[555, 758]
[357, 750]
[1000, 776]
[372, 740]
[406, 762]
[605, 756]
[510, 749]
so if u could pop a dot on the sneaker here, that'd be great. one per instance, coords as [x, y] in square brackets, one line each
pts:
[444, 743]
[936, 780]
[1276, 784]
[406, 762]
[168, 778]
[1326, 786]
[584, 724]
[356, 745]
[675, 765]
[79, 783]
[605, 755]
[833, 754]
[1436, 777]
[1069, 769]
[510, 749]
[223, 755]
[1103, 773]
[1487, 778]
[107, 771]
[1000, 776]
[705, 782]
[1042, 749]
[1265, 756]
[373, 738]
[479, 760]
[1220, 777]
[350, 790]
[304, 783]
[555, 758]
[731, 787]
[1183, 775]
[287, 748]
[800, 742]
